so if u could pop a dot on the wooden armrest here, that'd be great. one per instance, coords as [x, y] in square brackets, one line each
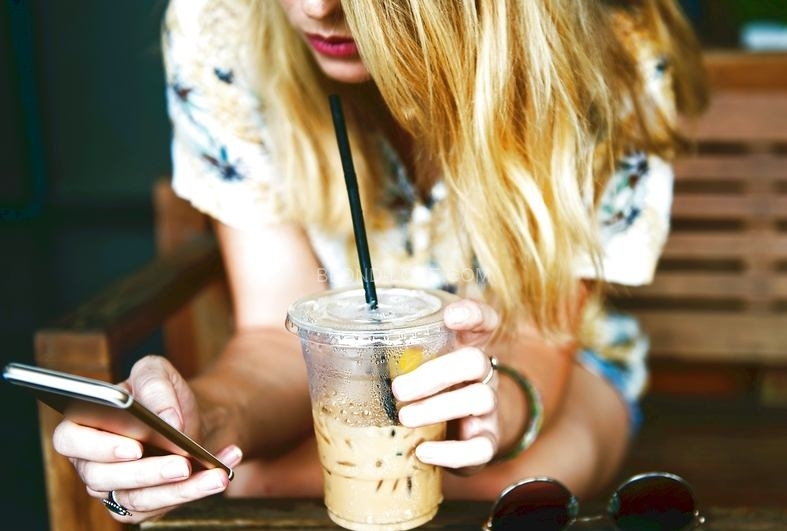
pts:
[89, 341]
[129, 310]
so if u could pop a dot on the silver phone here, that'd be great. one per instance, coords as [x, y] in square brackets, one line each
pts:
[110, 408]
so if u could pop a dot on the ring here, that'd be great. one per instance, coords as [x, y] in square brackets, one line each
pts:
[113, 506]
[492, 369]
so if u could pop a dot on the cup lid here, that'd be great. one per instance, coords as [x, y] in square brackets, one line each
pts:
[343, 317]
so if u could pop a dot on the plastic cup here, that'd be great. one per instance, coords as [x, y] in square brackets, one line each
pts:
[372, 479]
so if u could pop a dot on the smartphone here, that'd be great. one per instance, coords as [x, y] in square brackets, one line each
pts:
[110, 408]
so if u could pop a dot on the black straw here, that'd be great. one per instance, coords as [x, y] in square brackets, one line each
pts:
[362, 245]
[361, 242]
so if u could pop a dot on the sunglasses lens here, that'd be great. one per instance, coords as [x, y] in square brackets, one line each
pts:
[539, 504]
[653, 503]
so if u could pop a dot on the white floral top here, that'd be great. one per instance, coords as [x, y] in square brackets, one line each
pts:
[221, 164]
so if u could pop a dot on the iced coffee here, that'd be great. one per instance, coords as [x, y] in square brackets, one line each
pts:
[373, 480]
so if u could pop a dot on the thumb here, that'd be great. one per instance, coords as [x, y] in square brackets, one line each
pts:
[155, 383]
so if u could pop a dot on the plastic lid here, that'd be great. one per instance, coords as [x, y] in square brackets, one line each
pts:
[342, 317]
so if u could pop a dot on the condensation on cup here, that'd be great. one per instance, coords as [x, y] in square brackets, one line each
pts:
[373, 480]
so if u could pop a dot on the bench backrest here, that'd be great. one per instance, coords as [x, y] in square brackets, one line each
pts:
[720, 292]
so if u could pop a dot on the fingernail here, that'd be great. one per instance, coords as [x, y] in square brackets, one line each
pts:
[426, 452]
[211, 482]
[128, 451]
[404, 417]
[231, 456]
[408, 416]
[175, 469]
[403, 391]
[171, 417]
[456, 314]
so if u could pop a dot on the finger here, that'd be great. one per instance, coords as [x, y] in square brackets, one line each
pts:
[466, 364]
[82, 442]
[199, 485]
[458, 454]
[230, 455]
[147, 472]
[473, 320]
[469, 401]
[151, 383]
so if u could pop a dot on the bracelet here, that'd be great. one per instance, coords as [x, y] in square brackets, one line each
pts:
[535, 413]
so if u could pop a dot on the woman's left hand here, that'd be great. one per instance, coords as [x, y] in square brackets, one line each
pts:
[456, 386]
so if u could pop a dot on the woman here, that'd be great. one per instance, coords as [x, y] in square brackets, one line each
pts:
[515, 152]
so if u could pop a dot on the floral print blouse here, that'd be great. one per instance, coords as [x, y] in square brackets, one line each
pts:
[221, 164]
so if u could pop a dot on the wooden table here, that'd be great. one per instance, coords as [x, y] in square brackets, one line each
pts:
[219, 513]
[732, 453]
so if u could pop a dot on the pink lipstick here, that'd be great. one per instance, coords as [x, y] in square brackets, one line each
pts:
[333, 46]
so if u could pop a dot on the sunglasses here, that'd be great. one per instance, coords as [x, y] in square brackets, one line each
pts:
[654, 501]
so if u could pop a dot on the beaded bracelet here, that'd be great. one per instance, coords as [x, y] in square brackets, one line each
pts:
[535, 410]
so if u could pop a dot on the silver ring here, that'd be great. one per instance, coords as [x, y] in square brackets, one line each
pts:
[113, 506]
[492, 370]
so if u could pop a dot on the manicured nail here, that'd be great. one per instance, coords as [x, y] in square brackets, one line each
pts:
[231, 456]
[456, 314]
[175, 469]
[426, 452]
[409, 416]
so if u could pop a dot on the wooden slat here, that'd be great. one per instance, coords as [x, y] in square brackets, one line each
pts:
[733, 245]
[715, 206]
[738, 116]
[706, 380]
[732, 166]
[728, 337]
[765, 71]
[77, 352]
[711, 285]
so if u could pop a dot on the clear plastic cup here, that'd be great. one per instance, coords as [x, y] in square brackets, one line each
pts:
[373, 480]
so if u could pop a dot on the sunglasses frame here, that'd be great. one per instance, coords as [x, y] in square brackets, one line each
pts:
[572, 505]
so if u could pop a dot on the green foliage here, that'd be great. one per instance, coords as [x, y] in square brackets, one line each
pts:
[765, 10]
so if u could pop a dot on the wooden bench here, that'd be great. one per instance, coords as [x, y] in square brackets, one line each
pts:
[717, 309]
[717, 312]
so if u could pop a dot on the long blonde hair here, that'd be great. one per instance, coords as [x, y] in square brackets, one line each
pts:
[511, 99]
[294, 95]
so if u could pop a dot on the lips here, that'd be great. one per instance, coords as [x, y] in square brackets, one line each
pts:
[333, 46]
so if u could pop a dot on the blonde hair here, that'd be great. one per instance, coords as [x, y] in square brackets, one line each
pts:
[294, 95]
[511, 100]
[661, 24]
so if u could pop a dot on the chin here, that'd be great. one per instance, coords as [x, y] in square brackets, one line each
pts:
[346, 72]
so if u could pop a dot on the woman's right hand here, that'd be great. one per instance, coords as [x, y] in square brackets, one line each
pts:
[147, 487]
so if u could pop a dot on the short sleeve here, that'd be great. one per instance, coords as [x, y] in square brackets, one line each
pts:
[633, 212]
[633, 220]
[220, 160]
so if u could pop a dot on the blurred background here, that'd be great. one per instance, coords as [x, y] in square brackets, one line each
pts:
[83, 136]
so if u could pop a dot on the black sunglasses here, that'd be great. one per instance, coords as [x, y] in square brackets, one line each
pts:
[654, 501]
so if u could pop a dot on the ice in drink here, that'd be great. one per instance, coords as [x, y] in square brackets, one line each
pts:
[373, 480]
